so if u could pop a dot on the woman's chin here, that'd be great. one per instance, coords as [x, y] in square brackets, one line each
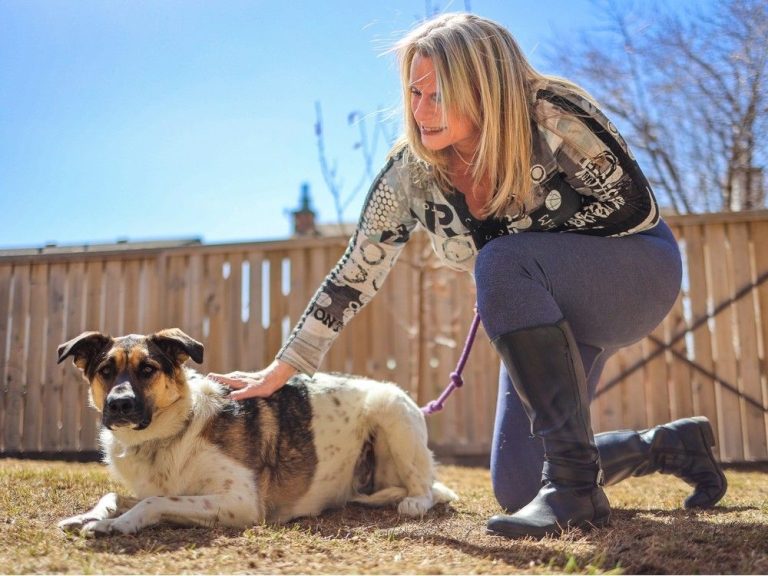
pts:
[434, 144]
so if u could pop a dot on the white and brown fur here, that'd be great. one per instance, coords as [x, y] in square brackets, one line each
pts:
[192, 456]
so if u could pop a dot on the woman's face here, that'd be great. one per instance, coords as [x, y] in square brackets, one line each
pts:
[438, 131]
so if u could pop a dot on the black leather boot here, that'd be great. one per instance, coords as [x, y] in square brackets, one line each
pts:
[682, 448]
[545, 368]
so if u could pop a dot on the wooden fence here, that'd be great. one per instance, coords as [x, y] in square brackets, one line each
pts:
[708, 356]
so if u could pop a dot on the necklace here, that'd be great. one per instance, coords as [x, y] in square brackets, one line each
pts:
[462, 157]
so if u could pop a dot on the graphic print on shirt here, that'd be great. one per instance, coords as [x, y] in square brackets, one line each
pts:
[334, 308]
[457, 249]
[369, 266]
[381, 220]
[441, 214]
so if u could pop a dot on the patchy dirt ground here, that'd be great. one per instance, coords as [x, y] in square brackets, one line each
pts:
[650, 533]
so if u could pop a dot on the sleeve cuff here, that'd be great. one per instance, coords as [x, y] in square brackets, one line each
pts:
[295, 361]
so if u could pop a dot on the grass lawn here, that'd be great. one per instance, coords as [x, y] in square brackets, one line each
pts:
[649, 534]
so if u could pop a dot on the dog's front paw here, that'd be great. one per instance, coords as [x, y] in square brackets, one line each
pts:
[76, 523]
[415, 506]
[105, 527]
[126, 524]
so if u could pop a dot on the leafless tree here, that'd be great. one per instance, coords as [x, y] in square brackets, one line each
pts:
[367, 143]
[688, 92]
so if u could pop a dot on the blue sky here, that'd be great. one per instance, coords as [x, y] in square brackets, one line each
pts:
[158, 119]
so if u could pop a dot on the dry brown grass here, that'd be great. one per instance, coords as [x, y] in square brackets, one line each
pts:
[649, 533]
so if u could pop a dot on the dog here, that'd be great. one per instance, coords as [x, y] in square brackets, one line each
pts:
[192, 456]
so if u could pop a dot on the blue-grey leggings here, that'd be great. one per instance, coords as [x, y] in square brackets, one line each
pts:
[612, 291]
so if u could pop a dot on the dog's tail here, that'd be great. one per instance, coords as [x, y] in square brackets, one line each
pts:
[441, 493]
[383, 497]
[395, 494]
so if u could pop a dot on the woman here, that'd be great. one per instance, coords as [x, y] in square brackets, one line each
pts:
[519, 178]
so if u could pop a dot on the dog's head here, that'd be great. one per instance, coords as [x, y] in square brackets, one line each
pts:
[132, 377]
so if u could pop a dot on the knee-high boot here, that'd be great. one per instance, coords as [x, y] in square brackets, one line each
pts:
[545, 368]
[682, 448]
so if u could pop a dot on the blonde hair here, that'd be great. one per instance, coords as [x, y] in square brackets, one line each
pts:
[482, 74]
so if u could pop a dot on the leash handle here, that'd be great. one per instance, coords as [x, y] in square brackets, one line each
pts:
[456, 380]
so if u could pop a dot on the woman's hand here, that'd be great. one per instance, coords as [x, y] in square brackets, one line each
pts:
[256, 384]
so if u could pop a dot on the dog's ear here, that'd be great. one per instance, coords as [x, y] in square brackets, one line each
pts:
[177, 345]
[84, 348]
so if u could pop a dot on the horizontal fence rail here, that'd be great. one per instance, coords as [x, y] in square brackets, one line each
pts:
[241, 300]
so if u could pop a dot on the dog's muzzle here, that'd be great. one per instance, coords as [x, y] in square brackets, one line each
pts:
[123, 408]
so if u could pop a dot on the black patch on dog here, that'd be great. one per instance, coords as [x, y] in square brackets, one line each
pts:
[288, 451]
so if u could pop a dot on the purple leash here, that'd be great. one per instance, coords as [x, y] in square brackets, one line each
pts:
[456, 380]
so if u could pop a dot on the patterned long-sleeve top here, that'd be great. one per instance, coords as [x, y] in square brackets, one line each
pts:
[584, 180]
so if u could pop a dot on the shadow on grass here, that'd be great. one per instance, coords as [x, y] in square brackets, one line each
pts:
[160, 539]
[333, 524]
[341, 522]
[653, 541]
[638, 541]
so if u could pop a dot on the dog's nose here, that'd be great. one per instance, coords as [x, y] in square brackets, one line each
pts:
[121, 401]
[121, 405]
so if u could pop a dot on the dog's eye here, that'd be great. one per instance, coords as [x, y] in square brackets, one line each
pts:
[106, 372]
[147, 370]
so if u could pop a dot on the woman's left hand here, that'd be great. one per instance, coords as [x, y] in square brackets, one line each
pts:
[256, 384]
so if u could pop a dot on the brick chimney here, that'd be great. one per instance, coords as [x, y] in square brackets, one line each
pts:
[304, 217]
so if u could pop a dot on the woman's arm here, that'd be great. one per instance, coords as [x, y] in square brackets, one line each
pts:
[384, 228]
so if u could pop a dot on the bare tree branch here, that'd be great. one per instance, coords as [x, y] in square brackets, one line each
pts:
[366, 144]
[688, 92]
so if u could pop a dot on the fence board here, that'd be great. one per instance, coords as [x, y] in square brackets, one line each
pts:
[73, 387]
[6, 279]
[681, 395]
[131, 319]
[113, 291]
[720, 272]
[657, 392]
[403, 306]
[704, 398]
[233, 310]
[406, 298]
[753, 426]
[298, 289]
[467, 409]
[15, 373]
[760, 243]
[34, 358]
[53, 375]
[191, 320]
[153, 295]
[443, 348]
[427, 373]
[276, 303]
[214, 304]
[481, 386]
[241, 319]
[634, 400]
[608, 408]
[257, 353]
[176, 291]
[94, 320]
